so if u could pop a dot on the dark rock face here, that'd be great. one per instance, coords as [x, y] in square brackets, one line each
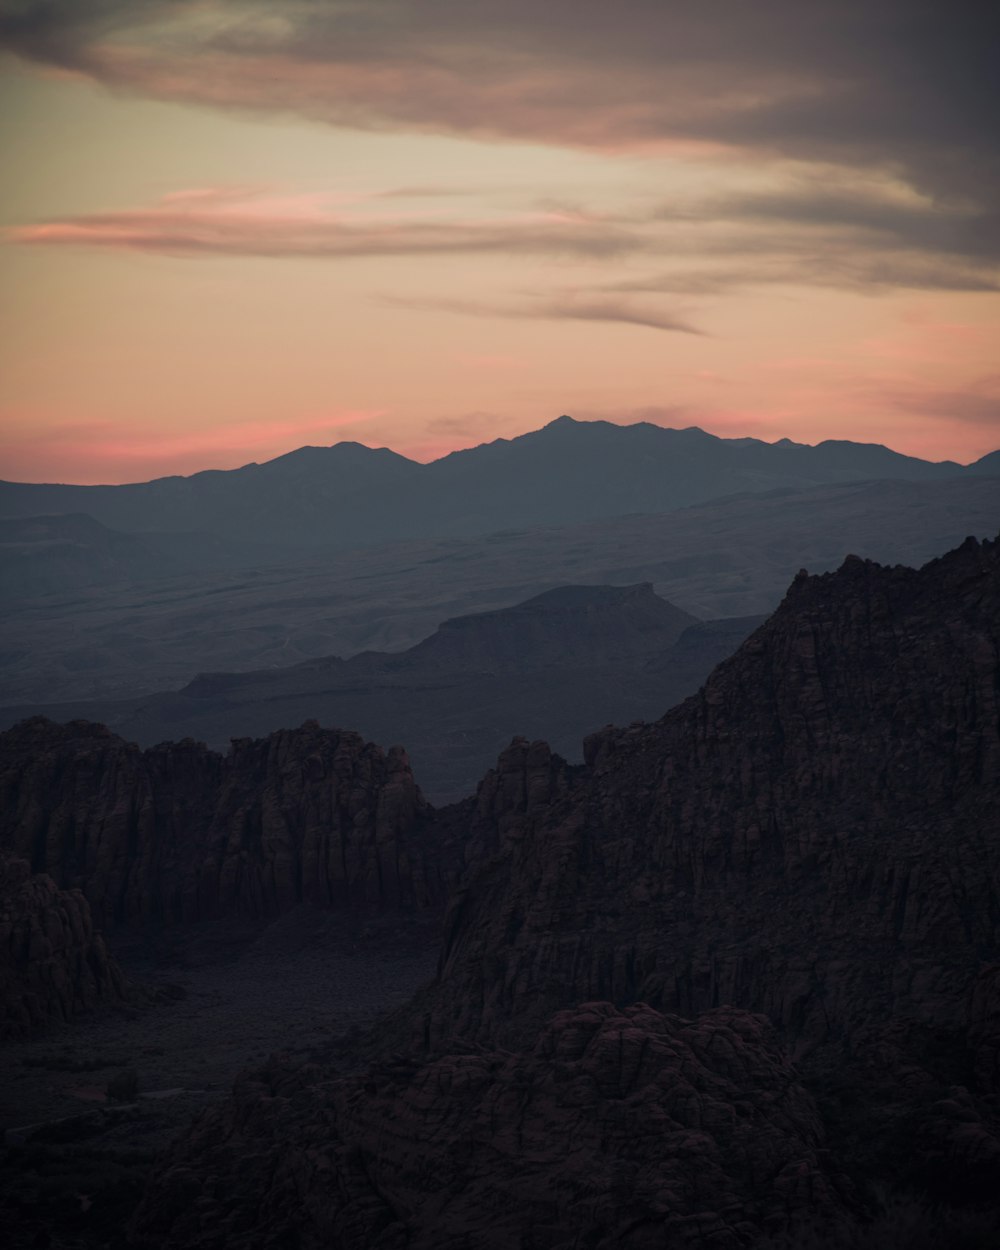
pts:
[52, 963]
[617, 1129]
[813, 835]
[180, 833]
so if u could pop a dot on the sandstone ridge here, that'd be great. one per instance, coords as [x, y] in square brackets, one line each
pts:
[179, 833]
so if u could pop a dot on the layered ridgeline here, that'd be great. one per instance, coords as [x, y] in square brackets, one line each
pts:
[552, 667]
[814, 837]
[569, 471]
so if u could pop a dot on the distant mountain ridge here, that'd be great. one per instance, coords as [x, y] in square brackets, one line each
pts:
[352, 495]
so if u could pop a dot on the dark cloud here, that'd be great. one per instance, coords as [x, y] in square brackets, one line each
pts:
[909, 86]
[858, 211]
[572, 307]
[849, 266]
[604, 309]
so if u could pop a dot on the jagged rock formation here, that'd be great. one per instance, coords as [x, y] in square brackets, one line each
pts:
[617, 1129]
[813, 835]
[52, 963]
[180, 833]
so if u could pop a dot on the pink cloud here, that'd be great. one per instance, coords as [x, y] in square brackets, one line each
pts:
[243, 222]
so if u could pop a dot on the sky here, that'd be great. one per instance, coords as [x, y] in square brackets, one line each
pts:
[229, 228]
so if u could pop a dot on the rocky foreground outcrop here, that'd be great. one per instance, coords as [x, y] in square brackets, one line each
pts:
[180, 833]
[618, 1128]
[815, 835]
[52, 963]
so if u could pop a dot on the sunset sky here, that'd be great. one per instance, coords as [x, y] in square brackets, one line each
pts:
[231, 228]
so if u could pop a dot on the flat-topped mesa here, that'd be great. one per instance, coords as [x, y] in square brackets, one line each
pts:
[180, 833]
[580, 625]
[52, 963]
[813, 835]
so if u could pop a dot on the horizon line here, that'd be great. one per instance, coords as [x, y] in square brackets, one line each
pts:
[563, 419]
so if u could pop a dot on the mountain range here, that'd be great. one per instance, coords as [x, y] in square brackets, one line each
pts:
[350, 495]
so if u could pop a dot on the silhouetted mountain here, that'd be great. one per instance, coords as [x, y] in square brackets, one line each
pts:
[312, 496]
[551, 667]
[988, 465]
[579, 470]
[350, 495]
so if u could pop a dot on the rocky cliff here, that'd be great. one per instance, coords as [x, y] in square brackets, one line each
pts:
[180, 833]
[52, 963]
[813, 835]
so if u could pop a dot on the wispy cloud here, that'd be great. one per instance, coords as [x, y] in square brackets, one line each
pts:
[241, 223]
[859, 237]
[572, 307]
